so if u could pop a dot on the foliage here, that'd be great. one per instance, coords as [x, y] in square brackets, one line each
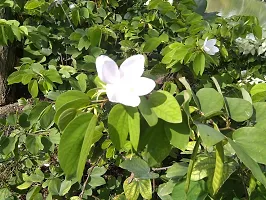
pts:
[193, 137]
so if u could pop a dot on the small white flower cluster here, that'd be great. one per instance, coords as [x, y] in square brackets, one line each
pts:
[251, 45]
[249, 79]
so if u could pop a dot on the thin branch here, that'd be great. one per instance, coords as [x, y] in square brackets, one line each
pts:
[88, 176]
[159, 169]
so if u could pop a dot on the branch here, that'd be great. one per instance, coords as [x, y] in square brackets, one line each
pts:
[87, 179]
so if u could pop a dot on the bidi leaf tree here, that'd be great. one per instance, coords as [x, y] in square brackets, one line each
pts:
[186, 127]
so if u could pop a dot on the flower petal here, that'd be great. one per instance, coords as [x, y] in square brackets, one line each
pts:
[129, 100]
[121, 93]
[214, 50]
[211, 42]
[107, 69]
[132, 67]
[143, 86]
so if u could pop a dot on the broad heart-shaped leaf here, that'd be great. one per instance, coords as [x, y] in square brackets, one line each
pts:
[205, 165]
[197, 191]
[210, 100]
[177, 170]
[248, 161]
[166, 106]
[139, 167]
[118, 126]
[209, 135]
[253, 140]
[70, 99]
[146, 111]
[239, 109]
[199, 64]
[260, 109]
[178, 134]
[152, 44]
[145, 189]
[158, 145]
[131, 189]
[133, 126]
[258, 92]
[75, 144]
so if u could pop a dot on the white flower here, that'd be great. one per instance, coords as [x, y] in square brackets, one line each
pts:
[124, 85]
[147, 2]
[251, 36]
[71, 6]
[256, 81]
[243, 73]
[209, 46]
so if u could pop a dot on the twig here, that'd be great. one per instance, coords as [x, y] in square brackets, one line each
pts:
[87, 179]
[159, 169]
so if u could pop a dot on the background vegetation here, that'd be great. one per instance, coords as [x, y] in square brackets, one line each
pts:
[200, 134]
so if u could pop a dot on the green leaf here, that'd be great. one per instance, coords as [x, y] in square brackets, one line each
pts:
[239, 109]
[151, 44]
[24, 185]
[146, 111]
[5, 193]
[33, 192]
[145, 189]
[37, 111]
[257, 30]
[86, 146]
[139, 167]
[47, 118]
[177, 170]
[7, 144]
[16, 32]
[34, 144]
[66, 117]
[205, 165]
[158, 145]
[210, 107]
[253, 141]
[197, 190]
[178, 134]
[52, 75]
[95, 35]
[82, 81]
[131, 189]
[16, 77]
[32, 4]
[75, 17]
[258, 92]
[118, 126]
[166, 107]
[133, 126]
[199, 64]
[33, 88]
[54, 186]
[65, 187]
[249, 162]
[209, 135]
[75, 144]
[70, 99]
